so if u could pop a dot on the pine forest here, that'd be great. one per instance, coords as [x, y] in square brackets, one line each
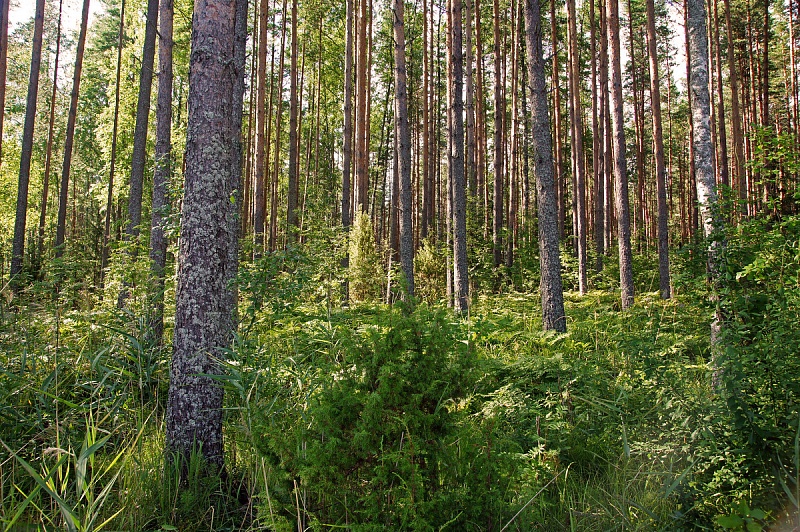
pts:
[480, 265]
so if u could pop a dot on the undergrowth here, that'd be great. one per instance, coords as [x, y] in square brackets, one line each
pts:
[375, 417]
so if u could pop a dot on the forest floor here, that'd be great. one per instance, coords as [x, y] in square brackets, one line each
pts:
[377, 417]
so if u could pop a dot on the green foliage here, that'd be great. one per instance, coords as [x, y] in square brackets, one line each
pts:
[373, 416]
[742, 518]
[429, 273]
[383, 428]
[365, 273]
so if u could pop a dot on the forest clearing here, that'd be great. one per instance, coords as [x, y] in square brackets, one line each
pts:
[399, 265]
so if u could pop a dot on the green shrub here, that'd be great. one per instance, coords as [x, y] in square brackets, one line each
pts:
[366, 270]
[429, 273]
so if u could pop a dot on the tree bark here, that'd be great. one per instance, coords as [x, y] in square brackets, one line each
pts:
[70, 134]
[403, 148]
[607, 144]
[556, 82]
[553, 317]
[261, 142]
[513, 172]
[292, 224]
[205, 299]
[765, 120]
[736, 116]
[142, 120]
[459, 185]
[362, 115]
[620, 164]
[704, 153]
[721, 128]
[426, 214]
[4, 5]
[112, 169]
[576, 127]
[18, 245]
[700, 107]
[658, 140]
[273, 215]
[639, 231]
[347, 131]
[480, 121]
[163, 170]
[49, 152]
[470, 162]
[499, 119]
[598, 157]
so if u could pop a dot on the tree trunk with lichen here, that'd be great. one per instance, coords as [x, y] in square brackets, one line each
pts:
[207, 262]
[403, 148]
[549, 255]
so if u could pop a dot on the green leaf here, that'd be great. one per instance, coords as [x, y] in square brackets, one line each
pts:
[730, 521]
[752, 526]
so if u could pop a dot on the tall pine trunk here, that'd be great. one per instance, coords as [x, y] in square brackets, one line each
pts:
[112, 169]
[362, 114]
[163, 171]
[205, 299]
[499, 124]
[459, 185]
[63, 191]
[142, 121]
[49, 150]
[261, 128]
[273, 214]
[292, 222]
[620, 163]
[739, 174]
[598, 157]
[658, 140]
[18, 245]
[556, 83]
[403, 148]
[722, 133]
[4, 5]
[576, 128]
[553, 316]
